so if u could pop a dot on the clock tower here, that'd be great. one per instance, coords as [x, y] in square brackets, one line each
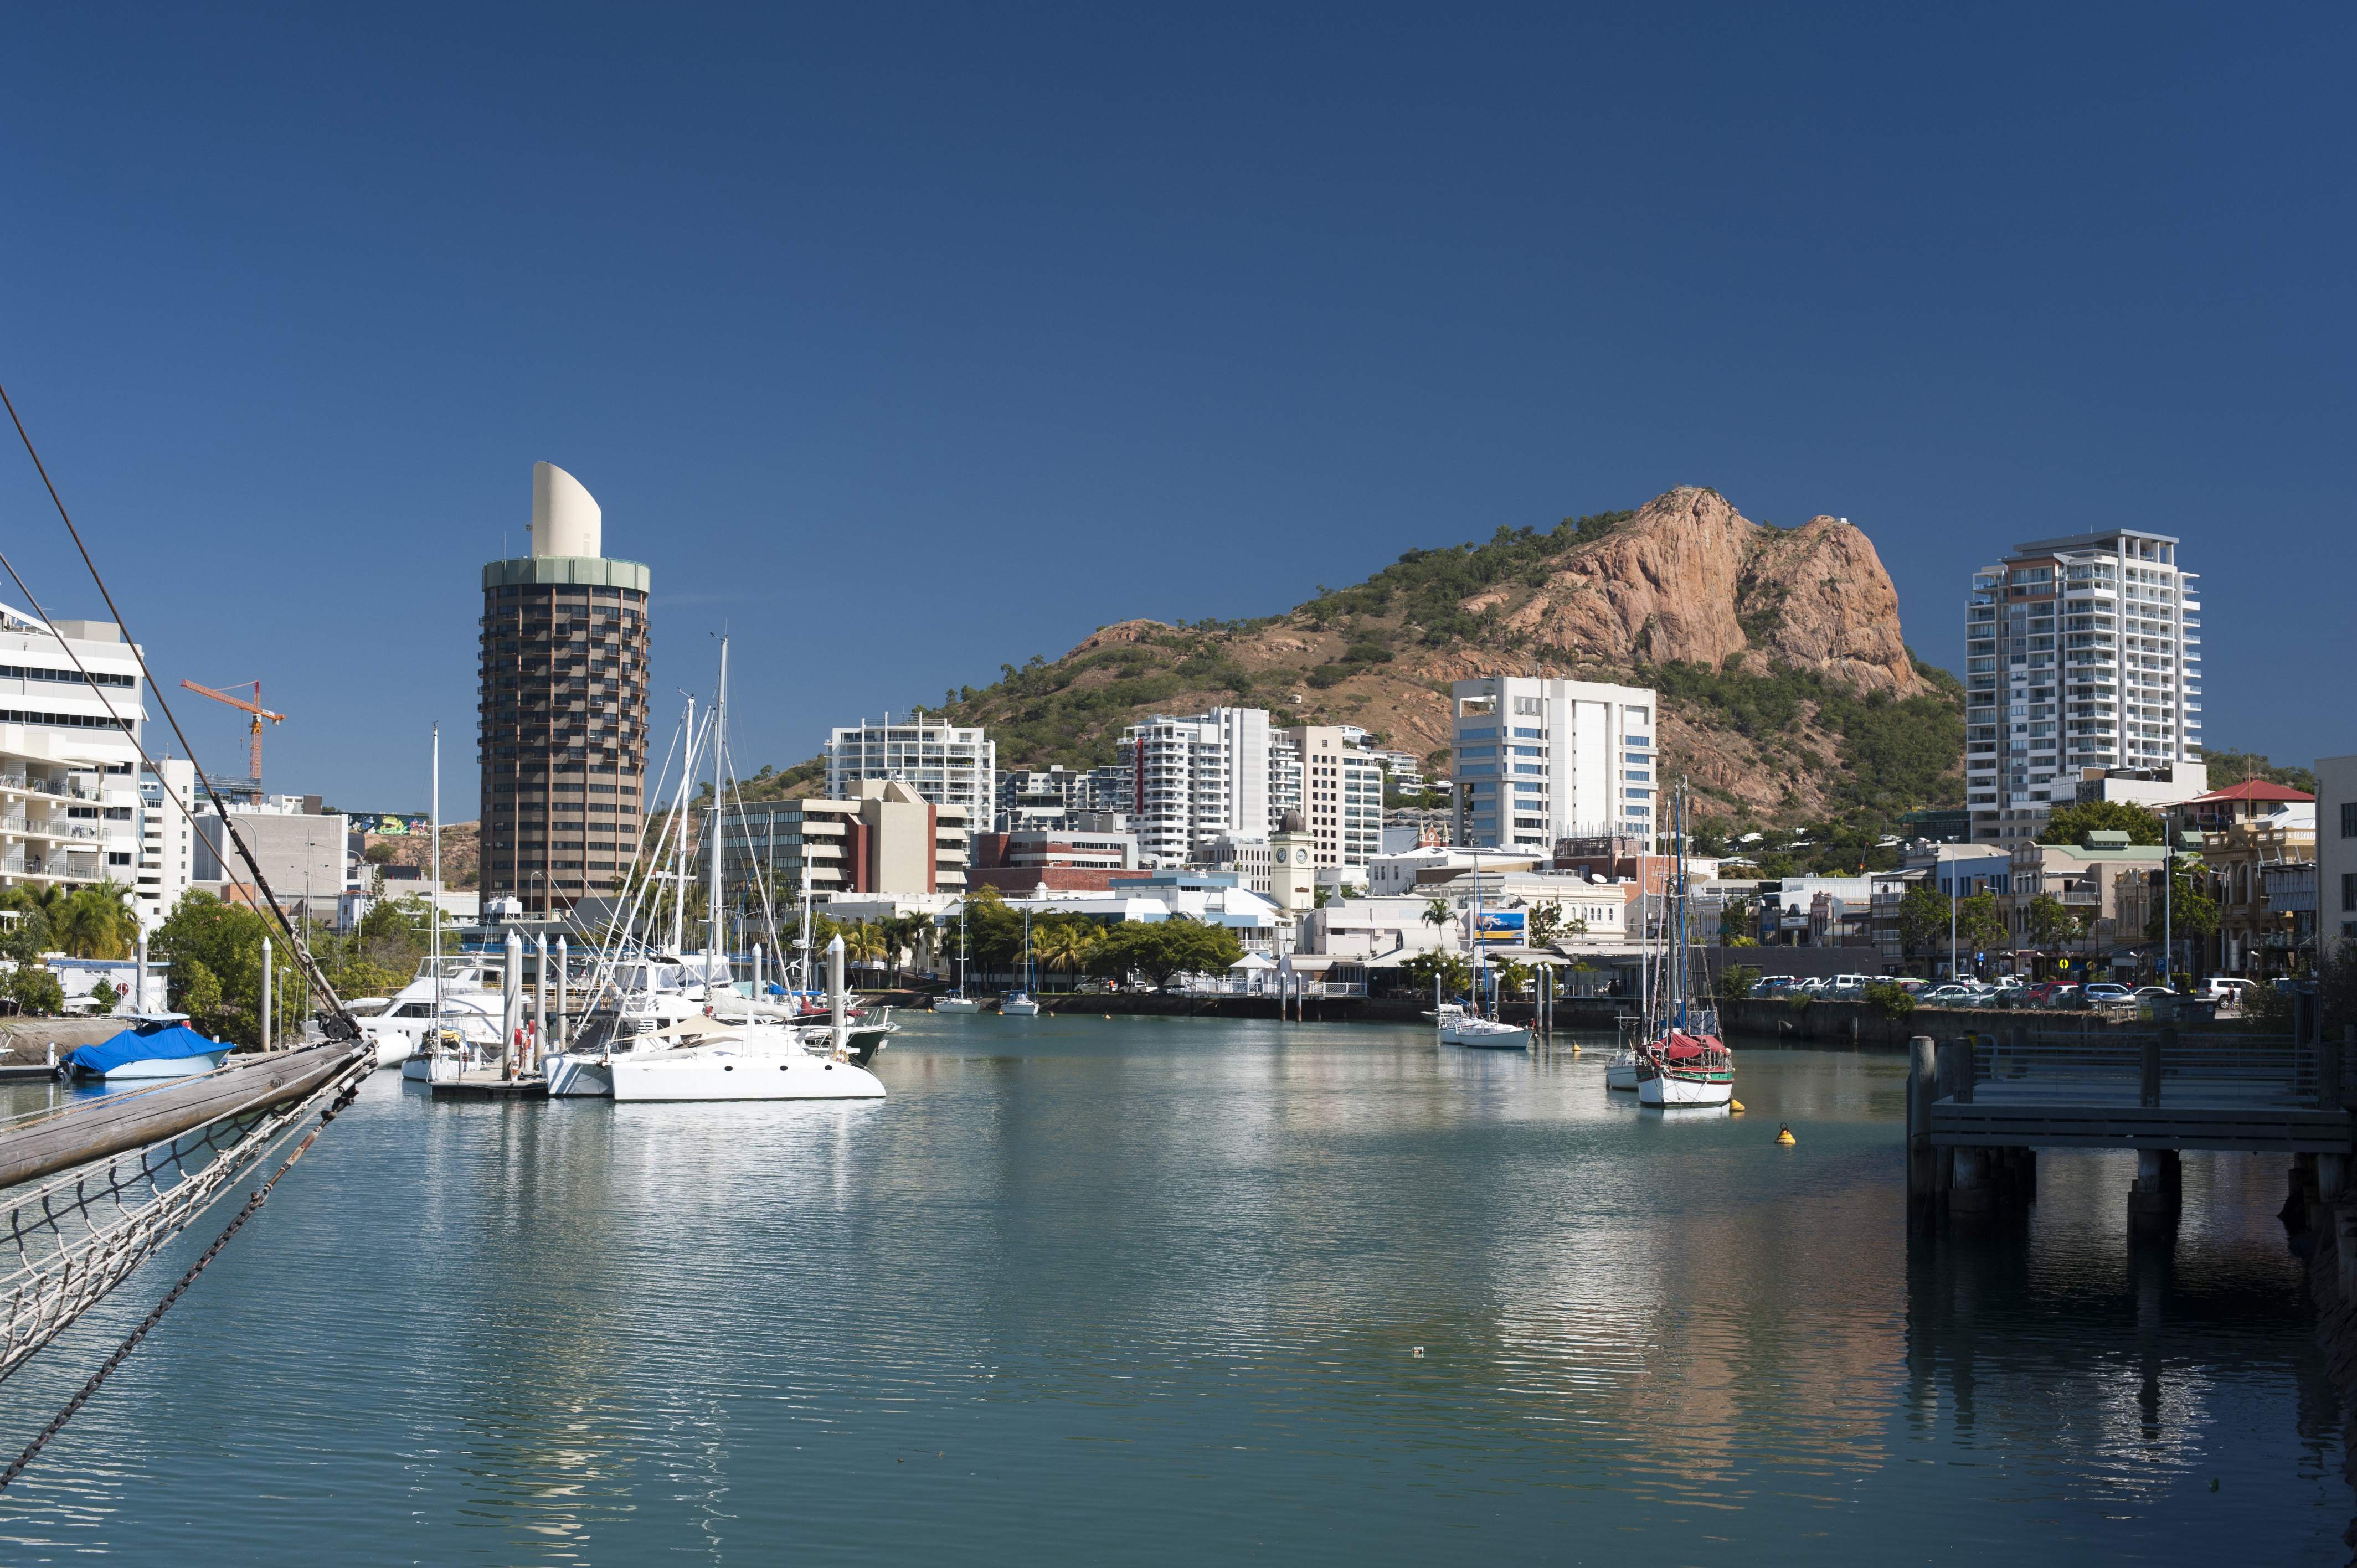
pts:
[1292, 866]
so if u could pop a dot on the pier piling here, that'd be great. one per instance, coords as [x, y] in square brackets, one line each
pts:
[1921, 1074]
[2160, 1190]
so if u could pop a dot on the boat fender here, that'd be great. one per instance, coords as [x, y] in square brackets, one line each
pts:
[1734, 1105]
[1784, 1135]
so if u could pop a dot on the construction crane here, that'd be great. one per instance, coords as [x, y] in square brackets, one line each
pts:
[254, 707]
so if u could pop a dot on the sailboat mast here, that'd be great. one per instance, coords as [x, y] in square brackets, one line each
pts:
[712, 827]
[435, 820]
[679, 847]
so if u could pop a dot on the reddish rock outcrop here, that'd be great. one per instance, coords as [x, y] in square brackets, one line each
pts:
[1691, 578]
[1117, 634]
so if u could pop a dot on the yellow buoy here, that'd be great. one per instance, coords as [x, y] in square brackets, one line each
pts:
[1784, 1135]
[1734, 1105]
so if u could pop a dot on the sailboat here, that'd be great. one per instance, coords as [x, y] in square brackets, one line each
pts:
[1683, 1062]
[1019, 1003]
[1469, 1026]
[701, 1058]
[958, 1001]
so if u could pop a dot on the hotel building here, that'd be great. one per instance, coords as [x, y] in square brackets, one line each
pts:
[563, 707]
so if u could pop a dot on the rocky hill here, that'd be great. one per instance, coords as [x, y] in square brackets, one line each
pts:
[1789, 694]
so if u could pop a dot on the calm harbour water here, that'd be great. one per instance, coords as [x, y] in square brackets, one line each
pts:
[1149, 1290]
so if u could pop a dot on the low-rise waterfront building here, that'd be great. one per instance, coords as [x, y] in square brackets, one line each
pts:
[2262, 877]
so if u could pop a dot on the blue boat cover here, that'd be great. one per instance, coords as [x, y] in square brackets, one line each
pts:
[164, 1040]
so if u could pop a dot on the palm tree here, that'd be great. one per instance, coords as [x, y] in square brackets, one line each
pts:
[96, 922]
[1066, 945]
[1437, 914]
[863, 943]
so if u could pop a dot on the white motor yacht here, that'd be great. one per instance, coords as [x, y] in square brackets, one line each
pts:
[470, 1008]
[1484, 1034]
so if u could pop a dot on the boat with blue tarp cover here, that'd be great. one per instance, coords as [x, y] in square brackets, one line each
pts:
[159, 1045]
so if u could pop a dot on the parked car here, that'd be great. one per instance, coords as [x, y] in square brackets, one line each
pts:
[1952, 995]
[2222, 988]
[2152, 991]
[2052, 993]
[2104, 991]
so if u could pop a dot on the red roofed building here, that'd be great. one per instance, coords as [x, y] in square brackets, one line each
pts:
[2251, 799]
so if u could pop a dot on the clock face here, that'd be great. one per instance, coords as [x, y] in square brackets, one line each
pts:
[1301, 857]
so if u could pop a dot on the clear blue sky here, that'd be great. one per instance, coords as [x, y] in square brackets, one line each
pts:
[902, 341]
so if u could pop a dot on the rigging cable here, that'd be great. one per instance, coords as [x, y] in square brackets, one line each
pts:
[336, 1020]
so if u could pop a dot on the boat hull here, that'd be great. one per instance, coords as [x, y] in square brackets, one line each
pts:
[956, 1005]
[1019, 1007]
[1476, 1035]
[586, 1077]
[1687, 1089]
[1621, 1073]
[707, 1073]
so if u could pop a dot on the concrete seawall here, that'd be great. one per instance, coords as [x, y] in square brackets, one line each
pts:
[1820, 1022]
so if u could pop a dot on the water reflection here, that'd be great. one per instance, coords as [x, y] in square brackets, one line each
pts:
[1153, 1288]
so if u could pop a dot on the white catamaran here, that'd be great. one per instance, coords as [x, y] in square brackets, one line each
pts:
[706, 1058]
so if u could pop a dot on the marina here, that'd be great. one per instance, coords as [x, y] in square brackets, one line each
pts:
[552, 1351]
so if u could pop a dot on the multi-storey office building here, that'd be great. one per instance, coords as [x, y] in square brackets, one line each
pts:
[945, 765]
[69, 754]
[564, 707]
[1195, 780]
[1536, 760]
[2080, 653]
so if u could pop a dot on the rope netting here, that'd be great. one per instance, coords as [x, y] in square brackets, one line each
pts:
[80, 1236]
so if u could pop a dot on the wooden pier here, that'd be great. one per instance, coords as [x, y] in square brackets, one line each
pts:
[1980, 1107]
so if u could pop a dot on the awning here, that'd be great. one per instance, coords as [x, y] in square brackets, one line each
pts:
[1253, 961]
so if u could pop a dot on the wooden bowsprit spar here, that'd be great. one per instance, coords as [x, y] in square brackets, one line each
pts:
[167, 1153]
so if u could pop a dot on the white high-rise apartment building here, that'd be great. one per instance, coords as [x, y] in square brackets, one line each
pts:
[1198, 779]
[69, 754]
[1538, 760]
[1339, 790]
[945, 765]
[168, 845]
[2080, 653]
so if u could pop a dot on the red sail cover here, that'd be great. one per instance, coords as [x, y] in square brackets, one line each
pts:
[1678, 1046]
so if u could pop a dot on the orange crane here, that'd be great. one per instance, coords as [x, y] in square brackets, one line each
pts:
[254, 707]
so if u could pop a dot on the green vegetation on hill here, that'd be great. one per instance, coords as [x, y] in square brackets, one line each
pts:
[1428, 583]
[1071, 713]
[2234, 767]
[1893, 756]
